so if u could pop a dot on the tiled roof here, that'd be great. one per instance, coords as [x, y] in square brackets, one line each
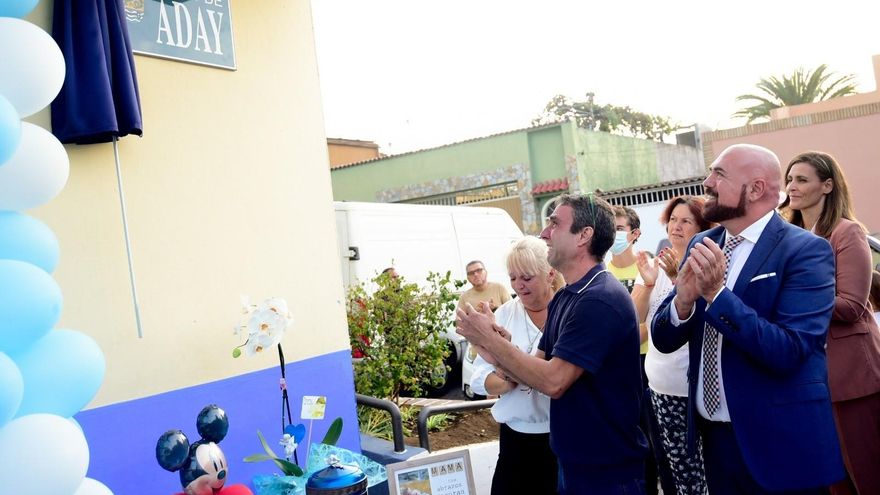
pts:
[657, 185]
[550, 186]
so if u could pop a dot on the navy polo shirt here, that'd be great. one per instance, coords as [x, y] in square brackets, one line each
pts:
[592, 324]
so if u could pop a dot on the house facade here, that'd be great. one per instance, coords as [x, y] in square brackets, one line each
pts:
[519, 171]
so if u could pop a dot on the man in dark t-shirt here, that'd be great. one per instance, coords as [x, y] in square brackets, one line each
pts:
[588, 359]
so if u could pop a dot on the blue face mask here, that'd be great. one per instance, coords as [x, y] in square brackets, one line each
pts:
[620, 242]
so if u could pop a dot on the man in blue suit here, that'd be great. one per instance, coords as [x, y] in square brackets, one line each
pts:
[753, 301]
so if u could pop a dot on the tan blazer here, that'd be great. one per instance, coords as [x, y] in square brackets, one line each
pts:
[853, 336]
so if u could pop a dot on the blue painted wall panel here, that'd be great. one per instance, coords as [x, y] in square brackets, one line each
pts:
[122, 437]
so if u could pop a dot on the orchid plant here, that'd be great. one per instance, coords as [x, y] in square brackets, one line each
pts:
[264, 325]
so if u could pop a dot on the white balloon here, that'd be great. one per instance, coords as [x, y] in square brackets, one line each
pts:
[37, 170]
[42, 454]
[92, 487]
[33, 66]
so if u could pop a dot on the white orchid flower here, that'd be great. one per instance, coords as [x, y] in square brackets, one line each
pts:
[289, 444]
[260, 342]
[277, 305]
[266, 321]
[265, 324]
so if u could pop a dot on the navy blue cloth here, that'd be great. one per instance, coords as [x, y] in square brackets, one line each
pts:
[575, 479]
[727, 473]
[595, 424]
[99, 98]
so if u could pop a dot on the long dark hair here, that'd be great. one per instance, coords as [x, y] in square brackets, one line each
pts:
[837, 203]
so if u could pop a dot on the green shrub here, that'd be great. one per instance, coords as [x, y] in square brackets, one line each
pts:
[397, 330]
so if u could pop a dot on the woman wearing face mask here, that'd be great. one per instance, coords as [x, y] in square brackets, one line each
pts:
[525, 462]
[818, 200]
[667, 373]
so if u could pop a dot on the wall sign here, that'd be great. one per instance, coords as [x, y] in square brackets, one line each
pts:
[197, 31]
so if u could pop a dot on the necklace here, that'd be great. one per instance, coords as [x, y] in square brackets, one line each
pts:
[527, 320]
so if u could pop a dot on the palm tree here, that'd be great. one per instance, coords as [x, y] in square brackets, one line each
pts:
[802, 86]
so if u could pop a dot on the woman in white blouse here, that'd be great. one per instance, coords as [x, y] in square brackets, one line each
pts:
[525, 462]
[667, 373]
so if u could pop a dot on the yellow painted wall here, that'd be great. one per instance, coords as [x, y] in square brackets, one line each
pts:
[228, 193]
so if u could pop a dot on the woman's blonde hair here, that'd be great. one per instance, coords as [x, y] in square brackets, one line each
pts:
[529, 256]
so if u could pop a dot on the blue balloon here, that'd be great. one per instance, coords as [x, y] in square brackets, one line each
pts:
[10, 129]
[16, 8]
[30, 305]
[25, 238]
[62, 372]
[11, 389]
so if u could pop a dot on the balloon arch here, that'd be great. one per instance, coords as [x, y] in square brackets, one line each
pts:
[46, 375]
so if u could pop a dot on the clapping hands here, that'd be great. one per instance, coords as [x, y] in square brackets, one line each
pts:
[478, 325]
[648, 268]
[669, 262]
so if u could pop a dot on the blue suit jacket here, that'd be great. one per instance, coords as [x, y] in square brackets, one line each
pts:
[774, 324]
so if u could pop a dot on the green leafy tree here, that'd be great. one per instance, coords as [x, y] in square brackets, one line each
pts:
[801, 86]
[606, 118]
[397, 331]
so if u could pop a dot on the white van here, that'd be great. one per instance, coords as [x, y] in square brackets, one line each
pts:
[418, 239]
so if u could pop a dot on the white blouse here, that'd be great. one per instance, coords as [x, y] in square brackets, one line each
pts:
[667, 373]
[523, 409]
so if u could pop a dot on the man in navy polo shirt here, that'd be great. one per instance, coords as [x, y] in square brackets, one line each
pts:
[588, 362]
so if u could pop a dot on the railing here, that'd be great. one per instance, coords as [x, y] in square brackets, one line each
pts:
[428, 411]
[396, 418]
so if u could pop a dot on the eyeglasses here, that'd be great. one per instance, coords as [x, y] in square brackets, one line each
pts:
[475, 271]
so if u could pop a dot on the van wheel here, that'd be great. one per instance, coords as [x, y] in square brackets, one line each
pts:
[451, 375]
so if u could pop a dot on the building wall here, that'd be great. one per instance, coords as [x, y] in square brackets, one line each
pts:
[849, 134]
[589, 160]
[226, 195]
[547, 153]
[608, 161]
[368, 181]
[343, 151]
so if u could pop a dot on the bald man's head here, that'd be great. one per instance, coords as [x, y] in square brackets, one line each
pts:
[758, 162]
[743, 182]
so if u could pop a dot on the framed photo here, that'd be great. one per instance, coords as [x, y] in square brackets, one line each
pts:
[441, 474]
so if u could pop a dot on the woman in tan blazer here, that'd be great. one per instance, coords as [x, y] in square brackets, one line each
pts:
[818, 200]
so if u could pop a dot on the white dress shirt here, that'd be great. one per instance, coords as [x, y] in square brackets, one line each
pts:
[738, 259]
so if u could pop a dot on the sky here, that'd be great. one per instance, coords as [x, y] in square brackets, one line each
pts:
[413, 74]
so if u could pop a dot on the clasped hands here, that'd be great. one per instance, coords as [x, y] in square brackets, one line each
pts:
[702, 275]
[478, 326]
[667, 260]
